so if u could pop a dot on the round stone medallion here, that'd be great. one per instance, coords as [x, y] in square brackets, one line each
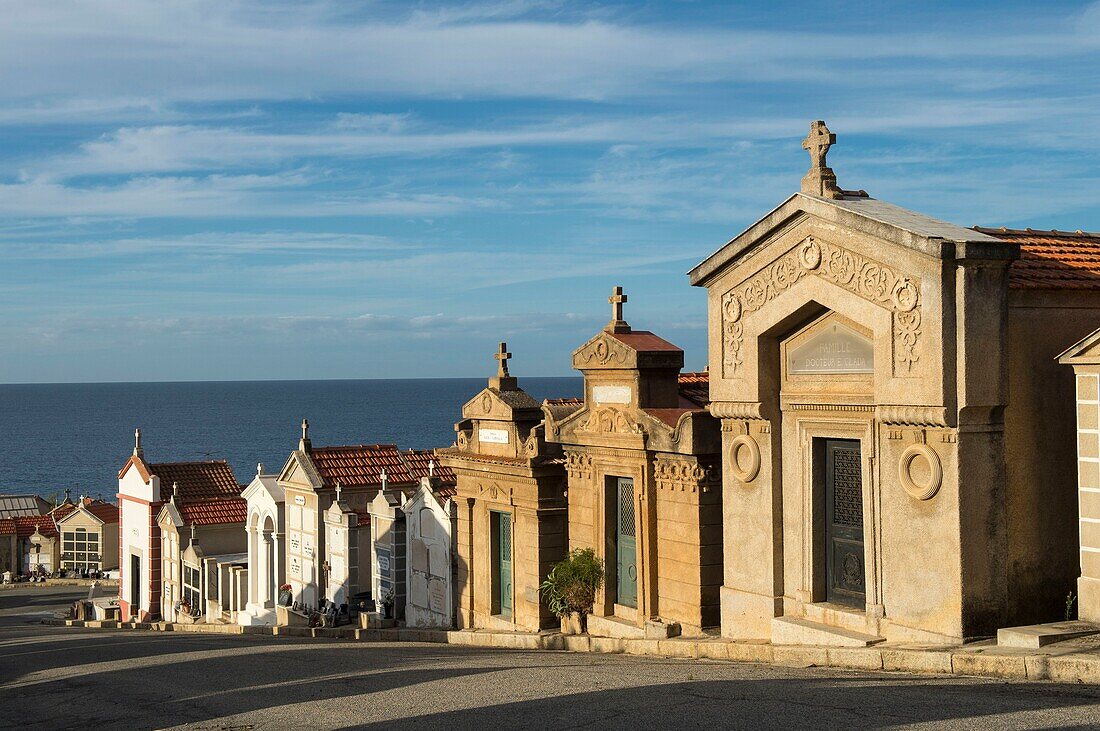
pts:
[745, 458]
[920, 471]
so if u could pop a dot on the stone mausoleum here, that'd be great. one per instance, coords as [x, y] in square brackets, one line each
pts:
[511, 508]
[897, 438]
[644, 483]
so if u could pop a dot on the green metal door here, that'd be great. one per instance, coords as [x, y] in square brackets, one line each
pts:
[626, 544]
[504, 562]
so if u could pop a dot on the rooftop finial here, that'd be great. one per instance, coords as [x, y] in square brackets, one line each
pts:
[503, 381]
[337, 491]
[385, 478]
[820, 180]
[305, 445]
[138, 451]
[617, 300]
[431, 468]
[259, 468]
[175, 491]
[502, 356]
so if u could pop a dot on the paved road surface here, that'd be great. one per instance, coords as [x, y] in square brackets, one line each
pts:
[55, 678]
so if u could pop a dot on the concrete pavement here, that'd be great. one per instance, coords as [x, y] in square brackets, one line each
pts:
[55, 677]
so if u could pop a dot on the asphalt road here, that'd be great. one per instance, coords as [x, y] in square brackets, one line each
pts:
[57, 678]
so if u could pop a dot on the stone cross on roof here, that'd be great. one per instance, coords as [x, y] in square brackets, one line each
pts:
[820, 180]
[502, 357]
[617, 300]
[431, 468]
[503, 381]
[304, 444]
[385, 478]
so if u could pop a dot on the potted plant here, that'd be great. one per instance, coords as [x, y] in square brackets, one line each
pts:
[570, 589]
[387, 604]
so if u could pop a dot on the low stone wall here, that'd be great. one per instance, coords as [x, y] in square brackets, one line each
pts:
[979, 659]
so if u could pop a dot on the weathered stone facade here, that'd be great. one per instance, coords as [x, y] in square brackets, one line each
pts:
[644, 484]
[511, 526]
[872, 368]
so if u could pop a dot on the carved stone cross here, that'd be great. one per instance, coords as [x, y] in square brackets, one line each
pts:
[818, 142]
[820, 180]
[617, 300]
[502, 357]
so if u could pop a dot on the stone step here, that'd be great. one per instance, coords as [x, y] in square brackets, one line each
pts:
[798, 631]
[1034, 636]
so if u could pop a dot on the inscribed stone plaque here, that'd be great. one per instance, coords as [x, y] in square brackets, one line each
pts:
[611, 394]
[492, 436]
[836, 349]
[427, 524]
[437, 596]
[382, 555]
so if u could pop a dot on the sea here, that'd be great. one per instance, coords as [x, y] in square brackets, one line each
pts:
[57, 437]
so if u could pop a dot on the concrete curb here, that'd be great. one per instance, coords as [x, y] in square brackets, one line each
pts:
[982, 660]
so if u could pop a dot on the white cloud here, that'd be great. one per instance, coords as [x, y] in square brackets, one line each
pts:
[206, 50]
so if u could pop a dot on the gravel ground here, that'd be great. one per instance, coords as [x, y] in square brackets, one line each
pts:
[55, 678]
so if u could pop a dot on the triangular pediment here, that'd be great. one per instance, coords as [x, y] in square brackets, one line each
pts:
[169, 514]
[1085, 351]
[496, 405]
[83, 513]
[604, 351]
[298, 472]
[859, 214]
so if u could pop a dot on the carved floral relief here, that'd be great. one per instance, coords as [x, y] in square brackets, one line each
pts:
[866, 278]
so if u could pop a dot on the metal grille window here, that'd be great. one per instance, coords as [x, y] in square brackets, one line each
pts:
[848, 490]
[626, 508]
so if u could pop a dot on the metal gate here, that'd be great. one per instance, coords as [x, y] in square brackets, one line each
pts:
[845, 575]
[504, 562]
[626, 544]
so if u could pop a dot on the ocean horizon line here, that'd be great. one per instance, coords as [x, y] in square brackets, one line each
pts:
[268, 380]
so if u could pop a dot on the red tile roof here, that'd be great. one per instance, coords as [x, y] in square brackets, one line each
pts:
[644, 341]
[7, 526]
[695, 387]
[217, 511]
[669, 416]
[361, 465]
[107, 512]
[1052, 259]
[417, 462]
[25, 526]
[196, 480]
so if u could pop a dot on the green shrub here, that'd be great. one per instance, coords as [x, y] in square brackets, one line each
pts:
[572, 584]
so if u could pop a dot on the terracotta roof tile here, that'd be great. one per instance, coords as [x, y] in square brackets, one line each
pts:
[644, 341]
[196, 480]
[107, 512]
[571, 401]
[417, 462]
[7, 526]
[218, 511]
[1052, 259]
[695, 387]
[25, 526]
[361, 465]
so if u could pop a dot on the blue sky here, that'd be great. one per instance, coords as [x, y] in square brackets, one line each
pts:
[244, 190]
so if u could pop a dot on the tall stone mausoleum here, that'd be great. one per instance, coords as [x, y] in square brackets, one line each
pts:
[644, 476]
[511, 525]
[897, 444]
